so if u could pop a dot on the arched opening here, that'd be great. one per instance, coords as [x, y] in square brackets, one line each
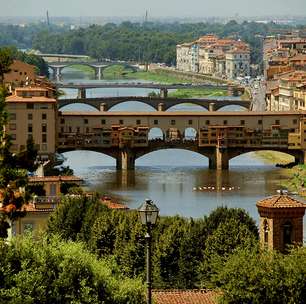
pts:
[262, 158]
[287, 233]
[156, 134]
[190, 134]
[79, 107]
[117, 71]
[173, 158]
[88, 163]
[73, 73]
[187, 107]
[232, 108]
[132, 106]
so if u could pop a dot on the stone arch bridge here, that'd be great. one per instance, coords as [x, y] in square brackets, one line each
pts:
[220, 136]
[158, 103]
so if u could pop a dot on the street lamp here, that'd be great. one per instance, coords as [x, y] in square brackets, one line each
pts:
[148, 214]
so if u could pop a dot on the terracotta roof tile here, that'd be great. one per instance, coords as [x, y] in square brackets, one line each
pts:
[184, 297]
[280, 201]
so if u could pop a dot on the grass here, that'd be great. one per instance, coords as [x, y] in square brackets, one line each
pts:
[274, 157]
[188, 93]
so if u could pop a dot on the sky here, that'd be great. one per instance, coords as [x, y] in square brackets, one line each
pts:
[156, 8]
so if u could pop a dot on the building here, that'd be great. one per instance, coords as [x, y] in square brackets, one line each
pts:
[33, 114]
[281, 222]
[20, 74]
[237, 62]
[213, 56]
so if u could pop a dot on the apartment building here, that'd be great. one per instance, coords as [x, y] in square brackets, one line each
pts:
[33, 114]
[213, 56]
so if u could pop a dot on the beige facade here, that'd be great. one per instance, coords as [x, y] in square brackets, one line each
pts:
[237, 63]
[33, 113]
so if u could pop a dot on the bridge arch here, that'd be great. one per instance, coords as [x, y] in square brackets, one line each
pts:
[199, 105]
[290, 155]
[132, 106]
[156, 134]
[180, 159]
[190, 133]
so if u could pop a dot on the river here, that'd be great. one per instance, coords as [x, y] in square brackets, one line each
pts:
[178, 181]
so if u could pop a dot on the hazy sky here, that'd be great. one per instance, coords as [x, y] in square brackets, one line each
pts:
[156, 8]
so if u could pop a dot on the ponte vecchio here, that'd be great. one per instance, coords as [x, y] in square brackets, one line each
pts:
[220, 136]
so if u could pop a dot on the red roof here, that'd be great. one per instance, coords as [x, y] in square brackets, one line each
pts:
[280, 201]
[184, 297]
[109, 203]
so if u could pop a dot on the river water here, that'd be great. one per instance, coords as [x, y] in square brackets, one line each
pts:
[178, 181]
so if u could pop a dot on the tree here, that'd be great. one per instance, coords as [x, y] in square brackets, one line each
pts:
[13, 172]
[253, 276]
[48, 271]
[5, 61]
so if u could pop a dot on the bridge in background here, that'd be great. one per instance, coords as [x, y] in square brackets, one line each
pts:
[220, 136]
[158, 103]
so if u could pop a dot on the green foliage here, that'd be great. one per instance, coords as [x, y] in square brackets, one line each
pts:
[250, 276]
[5, 61]
[52, 271]
[179, 245]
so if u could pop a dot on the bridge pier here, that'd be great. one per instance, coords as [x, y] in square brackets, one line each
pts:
[161, 107]
[125, 160]
[211, 107]
[99, 73]
[163, 93]
[81, 93]
[219, 160]
[301, 158]
[103, 107]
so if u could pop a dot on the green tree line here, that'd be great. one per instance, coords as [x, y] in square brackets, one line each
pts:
[152, 42]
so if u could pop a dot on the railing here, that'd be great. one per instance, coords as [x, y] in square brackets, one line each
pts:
[46, 199]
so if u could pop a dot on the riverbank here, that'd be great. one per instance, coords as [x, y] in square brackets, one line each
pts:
[297, 180]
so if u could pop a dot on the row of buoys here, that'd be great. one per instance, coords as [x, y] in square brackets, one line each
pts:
[212, 188]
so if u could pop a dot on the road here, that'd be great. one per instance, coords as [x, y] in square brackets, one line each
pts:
[258, 90]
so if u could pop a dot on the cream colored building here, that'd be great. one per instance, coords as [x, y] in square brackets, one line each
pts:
[237, 63]
[288, 83]
[33, 113]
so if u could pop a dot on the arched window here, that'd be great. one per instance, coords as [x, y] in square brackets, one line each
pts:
[287, 230]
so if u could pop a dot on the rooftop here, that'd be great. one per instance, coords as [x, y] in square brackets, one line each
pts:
[37, 179]
[280, 201]
[184, 297]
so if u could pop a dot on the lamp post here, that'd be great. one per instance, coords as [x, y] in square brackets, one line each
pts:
[148, 214]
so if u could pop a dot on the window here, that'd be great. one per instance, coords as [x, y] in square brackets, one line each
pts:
[287, 233]
[44, 107]
[78, 129]
[30, 128]
[225, 122]
[13, 136]
[87, 130]
[103, 121]
[121, 121]
[190, 121]
[44, 128]
[294, 121]
[12, 126]
[44, 138]
[266, 232]
[62, 120]
[172, 122]
[28, 228]
[62, 129]
[42, 94]
[277, 122]
[30, 106]
[44, 116]
[138, 122]
[155, 122]
[85, 121]
[30, 116]
[70, 129]
[207, 122]
[12, 116]
[260, 122]
[242, 122]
